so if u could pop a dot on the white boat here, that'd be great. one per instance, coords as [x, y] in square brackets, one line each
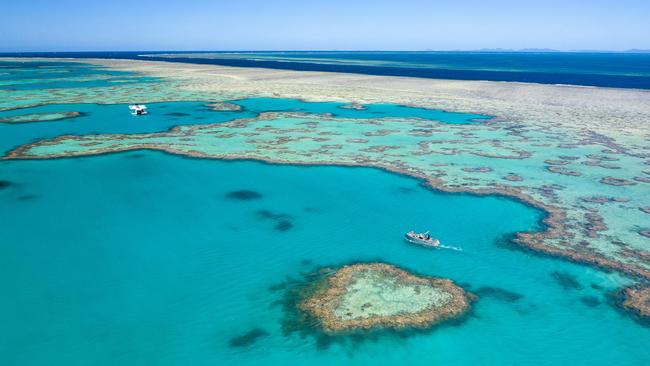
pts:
[423, 239]
[138, 109]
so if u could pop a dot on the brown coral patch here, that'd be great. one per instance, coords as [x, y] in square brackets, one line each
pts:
[603, 199]
[482, 169]
[595, 223]
[513, 178]
[356, 106]
[637, 300]
[562, 170]
[224, 107]
[557, 162]
[380, 132]
[322, 304]
[617, 181]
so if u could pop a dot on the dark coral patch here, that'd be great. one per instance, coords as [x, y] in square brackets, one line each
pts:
[566, 280]
[247, 339]
[564, 171]
[634, 302]
[277, 287]
[590, 301]
[244, 195]
[568, 157]
[481, 169]
[266, 214]
[134, 156]
[282, 221]
[5, 184]
[596, 286]
[354, 105]
[27, 197]
[599, 163]
[601, 157]
[556, 162]
[177, 114]
[513, 178]
[617, 181]
[283, 225]
[603, 199]
[404, 190]
[498, 293]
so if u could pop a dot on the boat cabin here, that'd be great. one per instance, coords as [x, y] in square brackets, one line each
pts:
[138, 109]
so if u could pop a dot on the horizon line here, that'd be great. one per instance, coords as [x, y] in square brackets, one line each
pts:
[481, 50]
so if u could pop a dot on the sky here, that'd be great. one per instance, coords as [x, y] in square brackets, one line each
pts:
[142, 25]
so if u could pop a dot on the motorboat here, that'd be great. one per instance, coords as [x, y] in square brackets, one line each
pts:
[138, 109]
[423, 239]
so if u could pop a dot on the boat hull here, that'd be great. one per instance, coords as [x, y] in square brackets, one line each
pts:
[432, 243]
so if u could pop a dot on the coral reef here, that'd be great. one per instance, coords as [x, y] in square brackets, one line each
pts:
[636, 299]
[39, 117]
[377, 295]
[549, 146]
[224, 107]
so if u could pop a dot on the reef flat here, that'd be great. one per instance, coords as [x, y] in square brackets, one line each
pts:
[581, 154]
[378, 295]
[39, 117]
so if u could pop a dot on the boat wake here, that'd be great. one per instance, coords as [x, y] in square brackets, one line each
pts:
[458, 249]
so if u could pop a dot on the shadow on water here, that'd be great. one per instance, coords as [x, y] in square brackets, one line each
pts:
[566, 280]
[247, 339]
[590, 301]
[282, 221]
[4, 184]
[498, 294]
[244, 195]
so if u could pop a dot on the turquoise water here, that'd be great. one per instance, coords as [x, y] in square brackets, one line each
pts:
[259, 105]
[116, 118]
[36, 75]
[109, 118]
[141, 258]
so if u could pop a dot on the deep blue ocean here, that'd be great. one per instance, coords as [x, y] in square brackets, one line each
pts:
[618, 70]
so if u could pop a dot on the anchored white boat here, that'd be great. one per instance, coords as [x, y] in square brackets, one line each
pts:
[423, 239]
[138, 109]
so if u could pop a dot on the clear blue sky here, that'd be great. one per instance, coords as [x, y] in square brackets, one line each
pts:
[75, 25]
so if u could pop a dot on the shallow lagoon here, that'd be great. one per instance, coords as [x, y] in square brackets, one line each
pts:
[142, 258]
[116, 118]
[109, 118]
